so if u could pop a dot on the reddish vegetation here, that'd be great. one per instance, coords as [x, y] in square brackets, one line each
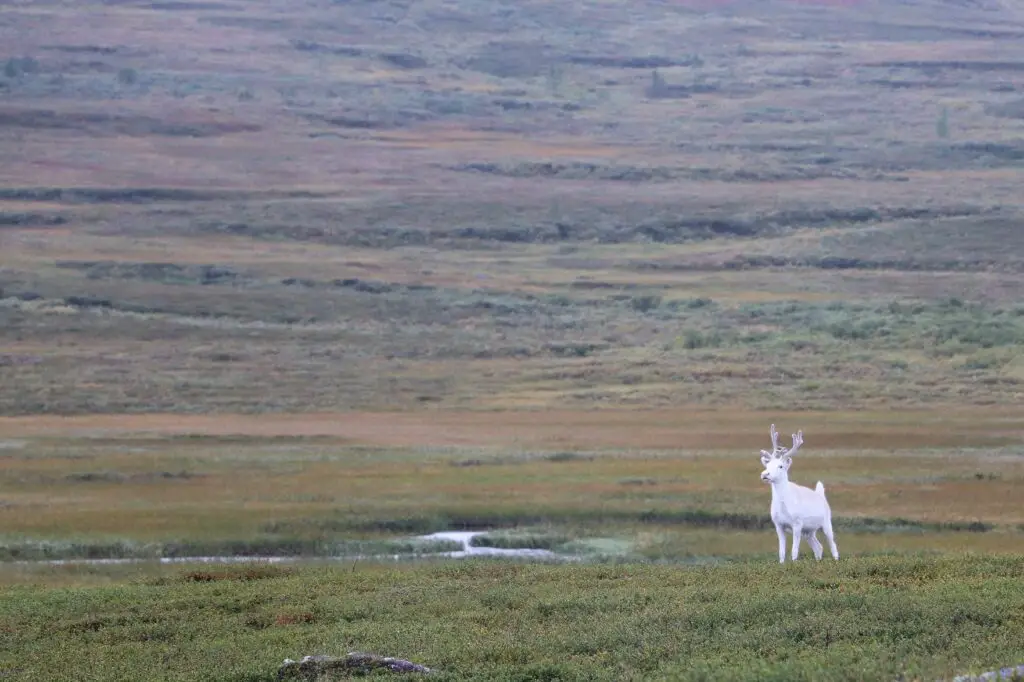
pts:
[294, 618]
[828, 3]
[711, 4]
[621, 428]
[243, 573]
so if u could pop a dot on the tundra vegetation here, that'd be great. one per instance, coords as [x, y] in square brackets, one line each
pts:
[311, 279]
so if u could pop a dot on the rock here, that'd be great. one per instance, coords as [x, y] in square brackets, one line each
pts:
[355, 663]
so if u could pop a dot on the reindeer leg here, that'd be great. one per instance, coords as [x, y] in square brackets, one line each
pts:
[830, 536]
[812, 540]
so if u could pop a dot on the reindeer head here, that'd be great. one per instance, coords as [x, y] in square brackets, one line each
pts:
[776, 463]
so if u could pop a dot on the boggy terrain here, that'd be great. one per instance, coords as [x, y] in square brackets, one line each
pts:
[668, 485]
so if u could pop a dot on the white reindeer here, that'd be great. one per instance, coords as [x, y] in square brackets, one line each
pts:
[795, 508]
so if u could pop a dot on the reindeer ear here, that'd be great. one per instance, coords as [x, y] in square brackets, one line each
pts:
[786, 461]
[765, 458]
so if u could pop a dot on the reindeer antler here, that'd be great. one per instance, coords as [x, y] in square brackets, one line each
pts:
[778, 450]
[798, 440]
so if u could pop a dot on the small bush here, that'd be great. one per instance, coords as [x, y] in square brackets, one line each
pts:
[567, 457]
[244, 573]
[638, 481]
[693, 340]
[981, 361]
[645, 303]
[16, 66]
[520, 541]
[127, 76]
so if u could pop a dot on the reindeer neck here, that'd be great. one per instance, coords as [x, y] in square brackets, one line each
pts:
[781, 487]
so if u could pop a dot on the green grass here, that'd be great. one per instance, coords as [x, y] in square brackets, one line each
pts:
[861, 619]
[455, 347]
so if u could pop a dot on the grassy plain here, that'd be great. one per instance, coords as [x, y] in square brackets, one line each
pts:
[863, 619]
[312, 278]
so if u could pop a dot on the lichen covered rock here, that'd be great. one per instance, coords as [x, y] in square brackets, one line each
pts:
[355, 663]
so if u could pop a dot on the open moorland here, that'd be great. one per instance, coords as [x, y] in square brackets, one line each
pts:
[270, 206]
[312, 279]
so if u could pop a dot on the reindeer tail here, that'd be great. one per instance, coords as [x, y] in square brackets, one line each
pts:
[820, 488]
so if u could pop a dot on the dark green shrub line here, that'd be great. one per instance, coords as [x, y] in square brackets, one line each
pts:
[698, 518]
[20, 218]
[88, 195]
[316, 537]
[487, 224]
[856, 263]
[258, 547]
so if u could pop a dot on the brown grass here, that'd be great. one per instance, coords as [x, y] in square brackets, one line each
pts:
[294, 618]
[244, 573]
[643, 429]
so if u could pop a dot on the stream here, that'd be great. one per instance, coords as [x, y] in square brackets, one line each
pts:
[463, 538]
